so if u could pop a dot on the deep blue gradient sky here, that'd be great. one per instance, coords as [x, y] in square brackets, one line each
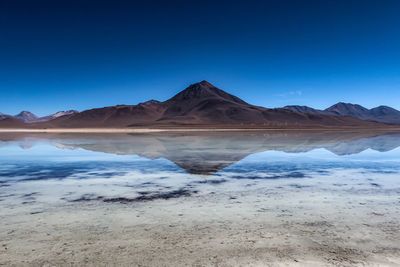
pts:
[57, 55]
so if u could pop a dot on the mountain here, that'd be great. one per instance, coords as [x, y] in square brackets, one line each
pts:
[203, 103]
[347, 109]
[305, 109]
[3, 116]
[385, 114]
[56, 115]
[26, 116]
[150, 102]
[199, 105]
[114, 116]
[29, 117]
[382, 114]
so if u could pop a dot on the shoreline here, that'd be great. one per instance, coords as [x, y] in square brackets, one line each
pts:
[155, 130]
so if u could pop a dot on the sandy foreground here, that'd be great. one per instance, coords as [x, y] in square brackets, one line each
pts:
[260, 227]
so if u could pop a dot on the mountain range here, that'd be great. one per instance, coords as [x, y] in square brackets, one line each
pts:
[29, 117]
[383, 114]
[204, 105]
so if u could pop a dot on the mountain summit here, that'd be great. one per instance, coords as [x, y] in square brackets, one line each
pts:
[205, 90]
[205, 104]
[348, 109]
[26, 116]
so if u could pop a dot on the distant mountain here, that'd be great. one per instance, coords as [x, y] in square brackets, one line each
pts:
[201, 105]
[347, 109]
[29, 117]
[3, 116]
[26, 116]
[57, 115]
[305, 109]
[379, 114]
[150, 102]
[385, 114]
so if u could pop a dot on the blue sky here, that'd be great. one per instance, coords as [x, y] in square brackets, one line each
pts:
[58, 55]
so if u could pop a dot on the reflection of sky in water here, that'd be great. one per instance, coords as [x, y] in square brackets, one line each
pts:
[46, 171]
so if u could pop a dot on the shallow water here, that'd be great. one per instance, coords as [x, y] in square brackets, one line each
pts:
[78, 167]
[312, 179]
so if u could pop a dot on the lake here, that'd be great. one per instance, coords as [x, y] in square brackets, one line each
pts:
[200, 199]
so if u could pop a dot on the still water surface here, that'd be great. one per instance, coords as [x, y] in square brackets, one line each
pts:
[74, 167]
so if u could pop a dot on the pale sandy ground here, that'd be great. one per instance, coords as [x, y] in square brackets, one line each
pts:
[270, 225]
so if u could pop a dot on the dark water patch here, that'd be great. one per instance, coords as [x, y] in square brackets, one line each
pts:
[34, 173]
[144, 196]
[106, 175]
[384, 172]
[144, 193]
[313, 166]
[292, 175]
[29, 197]
[272, 177]
[87, 197]
[373, 191]
[9, 195]
[339, 185]
[44, 170]
[298, 186]
[318, 224]
[213, 181]
[30, 194]
[323, 172]
[27, 202]
[147, 184]
[162, 195]
[375, 184]
[36, 212]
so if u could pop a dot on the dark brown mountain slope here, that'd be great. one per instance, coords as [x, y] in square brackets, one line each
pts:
[12, 123]
[115, 116]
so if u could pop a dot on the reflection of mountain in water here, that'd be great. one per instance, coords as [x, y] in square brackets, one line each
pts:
[208, 153]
